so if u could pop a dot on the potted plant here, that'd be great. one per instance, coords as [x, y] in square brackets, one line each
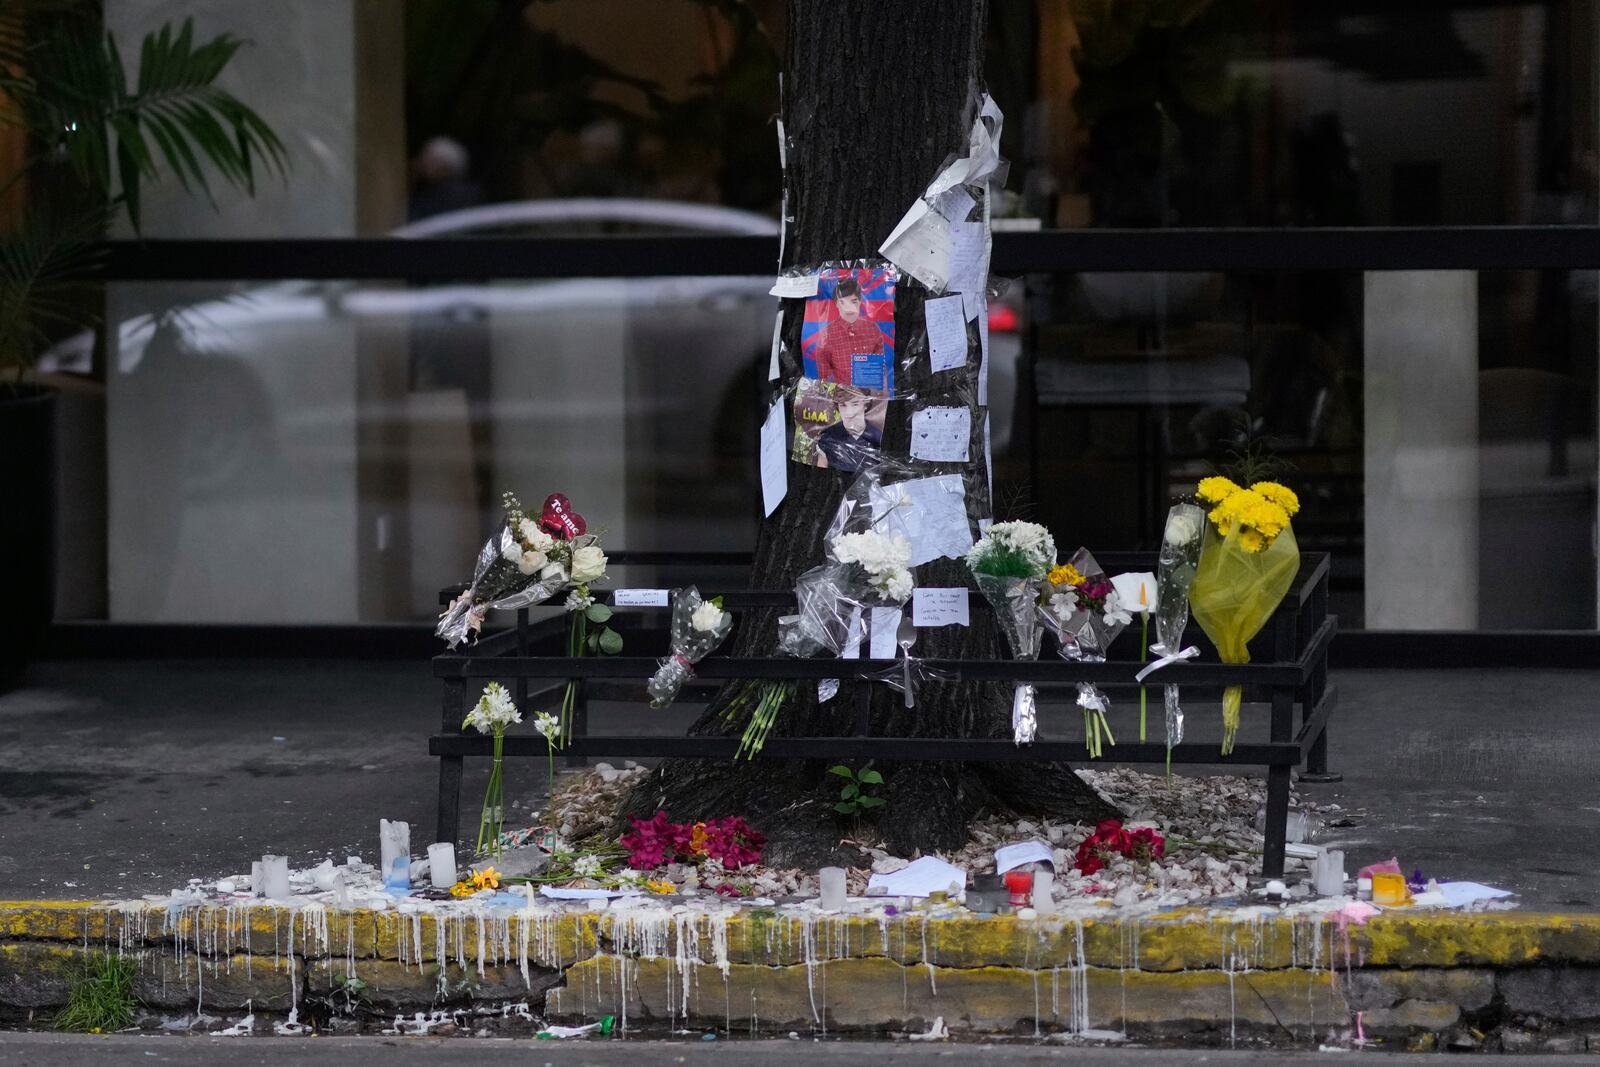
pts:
[90, 138]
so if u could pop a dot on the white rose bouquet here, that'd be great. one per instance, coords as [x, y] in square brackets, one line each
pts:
[515, 569]
[698, 627]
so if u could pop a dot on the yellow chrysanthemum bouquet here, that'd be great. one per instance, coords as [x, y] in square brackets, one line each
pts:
[1247, 565]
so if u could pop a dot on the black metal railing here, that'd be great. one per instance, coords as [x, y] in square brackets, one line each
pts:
[1288, 670]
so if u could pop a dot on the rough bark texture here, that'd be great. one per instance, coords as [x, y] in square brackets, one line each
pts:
[877, 98]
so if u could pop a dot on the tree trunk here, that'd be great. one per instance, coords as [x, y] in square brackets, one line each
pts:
[877, 98]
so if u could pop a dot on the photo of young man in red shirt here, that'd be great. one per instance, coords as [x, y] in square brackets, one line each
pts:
[851, 334]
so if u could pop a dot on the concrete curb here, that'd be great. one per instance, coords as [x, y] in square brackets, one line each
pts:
[1194, 974]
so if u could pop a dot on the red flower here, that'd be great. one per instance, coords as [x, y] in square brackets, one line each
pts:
[651, 844]
[1088, 864]
[733, 842]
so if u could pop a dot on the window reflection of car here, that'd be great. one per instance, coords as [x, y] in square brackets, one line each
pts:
[303, 424]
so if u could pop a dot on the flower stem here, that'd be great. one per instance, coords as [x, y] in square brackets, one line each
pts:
[1144, 655]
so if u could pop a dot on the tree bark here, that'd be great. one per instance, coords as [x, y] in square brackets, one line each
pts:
[877, 99]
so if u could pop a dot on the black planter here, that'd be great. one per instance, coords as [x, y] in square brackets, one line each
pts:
[27, 523]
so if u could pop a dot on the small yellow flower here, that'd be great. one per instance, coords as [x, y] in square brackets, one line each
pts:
[697, 839]
[1215, 489]
[1280, 495]
[1251, 541]
[488, 878]
[462, 889]
[660, 887]
[1064, 574]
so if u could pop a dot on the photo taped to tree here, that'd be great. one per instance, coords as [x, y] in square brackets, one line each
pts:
[836, 425]
[847, 336]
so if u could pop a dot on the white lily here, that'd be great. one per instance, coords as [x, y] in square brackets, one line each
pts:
[1136, 590]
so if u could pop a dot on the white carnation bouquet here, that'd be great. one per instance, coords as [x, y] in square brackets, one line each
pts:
[698, 627]
[1008, 564]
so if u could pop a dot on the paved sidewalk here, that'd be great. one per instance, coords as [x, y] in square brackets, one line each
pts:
[125, 777]
[71, 1051]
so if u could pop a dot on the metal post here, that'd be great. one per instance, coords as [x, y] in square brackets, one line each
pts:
[450, 767]
[1282, 729]
[1317, 772]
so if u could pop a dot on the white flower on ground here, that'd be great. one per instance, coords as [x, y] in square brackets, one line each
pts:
[533, 537]
[577, 601]
[588, 564]
[530, 562]
[547, 725]
[707, 617]
[587, 867]
[494, 710]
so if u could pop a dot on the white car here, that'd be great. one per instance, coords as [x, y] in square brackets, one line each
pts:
[332, 451]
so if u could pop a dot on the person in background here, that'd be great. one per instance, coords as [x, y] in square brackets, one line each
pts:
[443, 181]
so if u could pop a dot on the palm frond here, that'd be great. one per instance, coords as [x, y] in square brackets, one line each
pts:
[45, 269]
[118, 136]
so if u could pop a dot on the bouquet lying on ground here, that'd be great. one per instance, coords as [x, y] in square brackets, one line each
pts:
[1008, 564]
[698, 626]
[656, 842]
[1111, 842]
[1079, 602]
[1248, 562]
[865, 569]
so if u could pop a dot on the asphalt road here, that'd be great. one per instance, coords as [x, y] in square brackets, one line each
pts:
[72, 1051]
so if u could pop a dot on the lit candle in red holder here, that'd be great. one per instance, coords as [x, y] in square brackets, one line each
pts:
[1020, 885]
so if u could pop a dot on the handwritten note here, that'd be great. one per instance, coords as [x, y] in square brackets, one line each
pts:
[885, 630]
[972, 304]
[640, 598]
[939, 607]
[969, 257]
[947, 333]
[930, 512]
[930, 874]
[774, 459]
[941, 435]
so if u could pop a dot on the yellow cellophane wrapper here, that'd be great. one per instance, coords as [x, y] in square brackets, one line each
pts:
[1234, 593]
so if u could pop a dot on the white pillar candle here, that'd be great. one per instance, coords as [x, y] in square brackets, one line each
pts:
[1043, 883]
[831, 879]
[256, 881]
[1328, 876]
[275, 877]
[442, 864]
[394, 844]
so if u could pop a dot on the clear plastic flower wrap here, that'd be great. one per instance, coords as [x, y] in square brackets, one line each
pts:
[1007, 565]
[698, 627]
[1012, 599]
[498, 583]
[1080, 605]
[1181, 541]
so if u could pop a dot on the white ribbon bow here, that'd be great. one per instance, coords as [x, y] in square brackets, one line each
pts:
[1166, 660]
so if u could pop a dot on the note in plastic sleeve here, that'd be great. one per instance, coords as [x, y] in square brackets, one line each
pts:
[947, 332]
[774, 459]
[941, 435]
[640, 598]
[940, 607]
